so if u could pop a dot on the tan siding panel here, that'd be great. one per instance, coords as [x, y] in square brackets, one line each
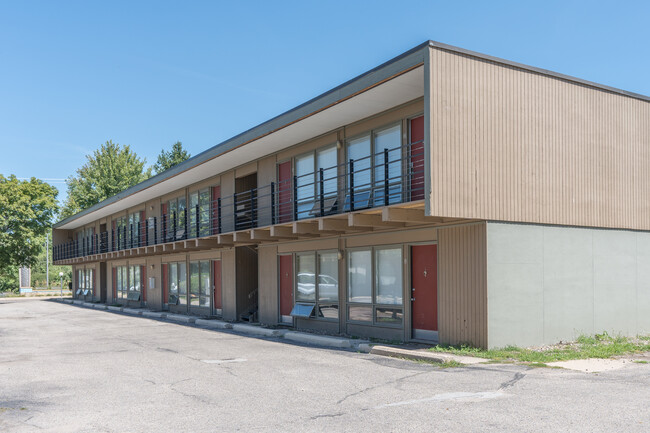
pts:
[513, 145]
[462, 285]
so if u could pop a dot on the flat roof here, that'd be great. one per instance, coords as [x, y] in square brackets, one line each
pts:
[362, 82]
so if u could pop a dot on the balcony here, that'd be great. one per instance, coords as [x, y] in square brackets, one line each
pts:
[383, 190]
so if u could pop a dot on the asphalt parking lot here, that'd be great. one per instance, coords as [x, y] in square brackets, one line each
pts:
[69, 369]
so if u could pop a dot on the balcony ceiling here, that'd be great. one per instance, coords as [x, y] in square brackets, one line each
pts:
[401, 88]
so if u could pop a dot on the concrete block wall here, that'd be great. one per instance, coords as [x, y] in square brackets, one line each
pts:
[551, 283]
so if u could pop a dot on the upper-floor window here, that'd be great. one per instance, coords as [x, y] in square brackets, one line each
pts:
[175, 219]
[200, 211]
[374, 163]
[309, 183]
[134, 229]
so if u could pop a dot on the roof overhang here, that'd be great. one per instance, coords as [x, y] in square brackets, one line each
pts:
[392, 84]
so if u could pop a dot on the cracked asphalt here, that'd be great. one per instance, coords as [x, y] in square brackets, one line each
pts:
[70, 369]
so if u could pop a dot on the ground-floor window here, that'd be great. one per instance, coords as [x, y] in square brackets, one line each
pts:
[121, 282]
[200, 283]
[375, 286]
[317, 283]
[177, 283]
[135, 279]
[85, 281]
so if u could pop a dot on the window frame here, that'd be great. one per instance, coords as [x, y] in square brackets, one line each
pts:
[374, 305]
[372, 185]
[316, 302]
[315, 193]
[205, 224]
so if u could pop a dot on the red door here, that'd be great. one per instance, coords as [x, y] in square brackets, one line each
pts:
[143, 282]
[216, 277]
[216, 194]
[424, 283]
[416, 127]
[165, 284]
[284, 192]
[286, 285]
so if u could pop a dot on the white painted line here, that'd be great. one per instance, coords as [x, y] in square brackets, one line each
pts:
[223, 361]
[453, 396]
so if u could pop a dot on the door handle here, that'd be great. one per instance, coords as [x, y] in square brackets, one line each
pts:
[412, 299]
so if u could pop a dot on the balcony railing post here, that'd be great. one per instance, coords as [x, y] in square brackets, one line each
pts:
[234, 210]
[219, 215]
[272, 203]
[174, 230]
[295, 198]
[386, 198]
[321, 185]
[139, 233]
[196, 219]
[351, 184]
[185, 223]
[155, 230]
[124, 239]
[253, 208]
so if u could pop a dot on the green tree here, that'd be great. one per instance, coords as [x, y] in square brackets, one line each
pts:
[26, 212]
[167, 160]
[109, 170]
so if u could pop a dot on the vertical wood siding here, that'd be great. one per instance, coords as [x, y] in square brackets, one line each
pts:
[513, 145]
[462, 285]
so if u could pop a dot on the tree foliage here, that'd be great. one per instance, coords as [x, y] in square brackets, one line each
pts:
[109, 170]
[168, 159]
[26, 212]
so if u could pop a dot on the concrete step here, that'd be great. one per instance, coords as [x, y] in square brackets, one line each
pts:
[154, 314]
[257, 330]
[180, 318]
[215, 324]
[319, 340]
[424, 355]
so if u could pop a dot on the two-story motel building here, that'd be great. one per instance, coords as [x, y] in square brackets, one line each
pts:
[443, 196]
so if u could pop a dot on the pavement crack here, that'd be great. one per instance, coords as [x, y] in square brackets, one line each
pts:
[330, 415]
[370, 388]
[510, 383]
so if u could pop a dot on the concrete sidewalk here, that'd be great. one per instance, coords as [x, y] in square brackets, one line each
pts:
[404, 352]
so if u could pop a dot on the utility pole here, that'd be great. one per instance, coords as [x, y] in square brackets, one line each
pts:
[47, 260]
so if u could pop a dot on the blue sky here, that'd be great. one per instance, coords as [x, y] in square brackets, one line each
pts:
[76, 74]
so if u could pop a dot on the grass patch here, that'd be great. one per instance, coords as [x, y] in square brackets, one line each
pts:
[597, 346]
[451, 364]
[640, 361]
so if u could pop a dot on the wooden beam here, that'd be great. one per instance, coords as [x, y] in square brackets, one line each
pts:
[407, 215]
[206, 243]
[225, 239]
[244, 237]
[370, 220]
[334, 225]
[282, 232]
[305, 228]
[261, 235]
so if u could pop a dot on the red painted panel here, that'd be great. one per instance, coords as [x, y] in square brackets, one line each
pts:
[165, 283]
[216, 277]
[286, 284]
[114, 285]
[143, 282]
[424, 279]
[285, 205]
[216, 194]
[417, 158]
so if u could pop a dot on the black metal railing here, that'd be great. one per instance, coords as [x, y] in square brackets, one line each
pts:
[387, 177]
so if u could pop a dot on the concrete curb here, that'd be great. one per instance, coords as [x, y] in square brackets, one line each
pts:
[114, 308]
[180, 318]
[88, 305]
[77, 302]
[417, 355]
[258, 330]
[132, 311]
[215, 324]
[154, 314]
[319, 340]
[100, 307]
